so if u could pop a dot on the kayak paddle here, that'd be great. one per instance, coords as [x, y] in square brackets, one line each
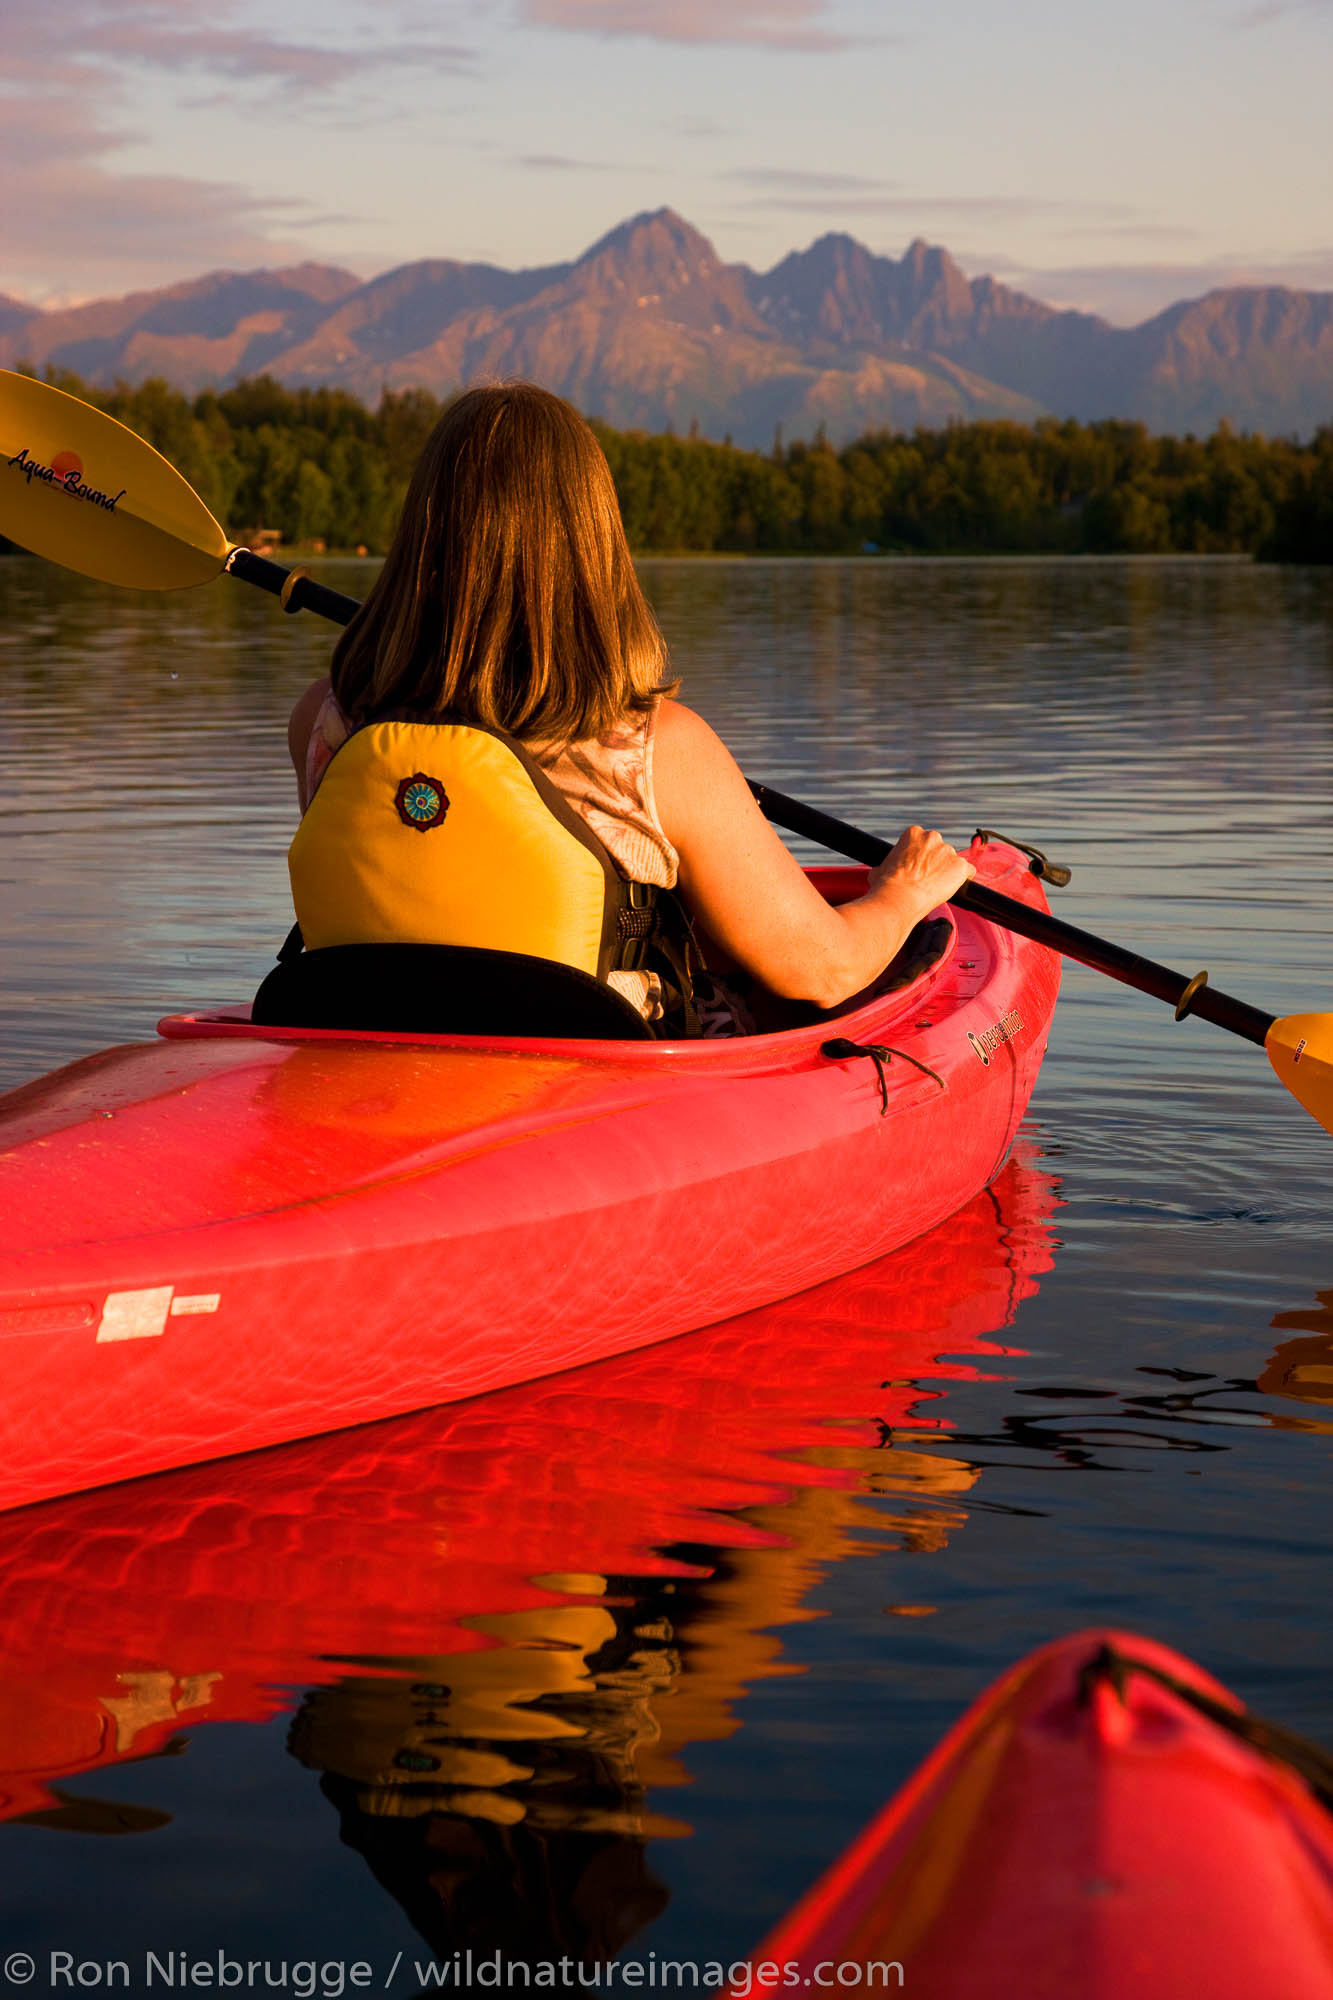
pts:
[1299, 1046]
[85, 491]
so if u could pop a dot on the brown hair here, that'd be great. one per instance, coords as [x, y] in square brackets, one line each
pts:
[508, 596]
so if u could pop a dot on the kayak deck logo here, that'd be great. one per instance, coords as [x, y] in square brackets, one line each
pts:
[66, 473]
[990, 1039]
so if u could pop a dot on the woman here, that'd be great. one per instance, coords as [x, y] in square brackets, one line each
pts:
[508, 603]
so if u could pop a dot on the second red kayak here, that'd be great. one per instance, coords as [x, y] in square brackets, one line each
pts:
[1104, 1821]
[235, 1236]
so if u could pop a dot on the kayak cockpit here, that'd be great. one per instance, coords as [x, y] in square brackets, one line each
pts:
[457, 990]
[464, 991]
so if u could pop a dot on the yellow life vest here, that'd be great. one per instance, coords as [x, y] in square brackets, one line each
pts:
[450, 833]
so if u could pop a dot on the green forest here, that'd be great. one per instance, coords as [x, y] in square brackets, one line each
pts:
[315, 467]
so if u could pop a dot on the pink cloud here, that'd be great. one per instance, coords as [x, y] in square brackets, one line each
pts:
[96, 227]
[565, 163]
[66, 109]
[783, 24]
[842, 193]
[81, 44]
[799, 184]
[240, 55]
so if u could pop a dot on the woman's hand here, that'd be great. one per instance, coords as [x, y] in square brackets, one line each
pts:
[920, 872]
[752, 897]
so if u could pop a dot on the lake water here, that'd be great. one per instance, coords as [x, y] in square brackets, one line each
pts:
[619, 1662]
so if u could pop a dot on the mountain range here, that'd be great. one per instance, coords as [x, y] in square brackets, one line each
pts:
[650, 329]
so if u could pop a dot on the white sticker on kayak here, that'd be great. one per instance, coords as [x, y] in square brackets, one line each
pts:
[135, 1315]
[144, 1315]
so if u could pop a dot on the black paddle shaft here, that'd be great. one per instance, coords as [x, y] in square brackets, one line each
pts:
[1156, 980]
[300, 592]
[296, 587]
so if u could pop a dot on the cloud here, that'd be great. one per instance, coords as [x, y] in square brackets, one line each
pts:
[776, 24]
[1128, 293]
[985, 207]
[562, 163]
[796, 181]
[83, 44]
[829, 200]
[1269, 11]
[69, 105]
[1142, 232]
[96, 227]
[243, 57]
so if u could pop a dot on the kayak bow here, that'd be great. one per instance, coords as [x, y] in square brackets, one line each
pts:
[1100, 1823]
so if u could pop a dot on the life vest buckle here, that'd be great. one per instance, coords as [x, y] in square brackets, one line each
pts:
[636, 925]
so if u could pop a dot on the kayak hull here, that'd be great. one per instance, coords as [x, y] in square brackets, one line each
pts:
[516, 1551]
[1084, 1829]
[232, 1237]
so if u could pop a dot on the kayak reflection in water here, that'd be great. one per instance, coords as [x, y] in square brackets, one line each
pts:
[506, 1794]
[506, 1797]
[510, 1623]
[512, 755]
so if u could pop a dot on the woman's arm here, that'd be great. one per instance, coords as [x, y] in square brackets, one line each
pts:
[750, 893]
[302, 722]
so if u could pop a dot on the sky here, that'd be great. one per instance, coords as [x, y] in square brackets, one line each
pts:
[1115, 155]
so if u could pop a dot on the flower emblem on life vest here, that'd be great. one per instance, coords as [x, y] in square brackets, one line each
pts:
[422, 802]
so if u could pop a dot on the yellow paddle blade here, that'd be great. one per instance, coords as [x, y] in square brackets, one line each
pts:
[1300, 1048]
[80, 489]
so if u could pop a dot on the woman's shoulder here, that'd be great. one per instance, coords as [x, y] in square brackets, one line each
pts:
[686, 745]
[304, 716]
[675, 723]
[700, 790]
[315, 728]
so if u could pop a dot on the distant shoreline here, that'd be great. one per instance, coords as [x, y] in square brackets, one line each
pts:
[344, 558]
[296, 469]
[1239, 557]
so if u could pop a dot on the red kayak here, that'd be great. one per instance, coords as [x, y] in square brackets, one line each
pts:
[549, 1558]
[1105, 1821]
[235, 1236]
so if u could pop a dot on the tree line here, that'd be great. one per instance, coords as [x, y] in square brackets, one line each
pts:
[317, 467]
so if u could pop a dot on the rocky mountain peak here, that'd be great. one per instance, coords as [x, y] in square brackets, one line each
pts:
[657, 248]
[660, 264]
[650, 326]
[838, 290]
[928, 271]
[326, 283]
